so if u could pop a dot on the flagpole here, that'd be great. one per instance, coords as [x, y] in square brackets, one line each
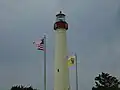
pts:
[76, 72]
[44, 62]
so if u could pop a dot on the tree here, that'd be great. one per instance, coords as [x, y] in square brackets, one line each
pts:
[21, 87]
[106, 81]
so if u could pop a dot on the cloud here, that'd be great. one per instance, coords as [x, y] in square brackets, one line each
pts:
[93, 34]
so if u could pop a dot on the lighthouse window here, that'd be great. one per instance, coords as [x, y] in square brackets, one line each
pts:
[58, 70]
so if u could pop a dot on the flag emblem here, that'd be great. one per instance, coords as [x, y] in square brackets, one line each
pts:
[71, 61]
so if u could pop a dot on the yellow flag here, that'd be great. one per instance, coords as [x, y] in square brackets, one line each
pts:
[71, 61]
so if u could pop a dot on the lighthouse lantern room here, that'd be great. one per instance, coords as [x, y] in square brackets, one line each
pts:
[60, 22]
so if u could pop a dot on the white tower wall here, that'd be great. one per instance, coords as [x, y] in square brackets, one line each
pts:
[61, 78]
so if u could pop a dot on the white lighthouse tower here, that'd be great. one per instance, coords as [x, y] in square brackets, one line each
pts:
[61, 75]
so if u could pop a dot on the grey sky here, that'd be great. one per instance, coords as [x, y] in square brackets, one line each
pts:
[94, 33]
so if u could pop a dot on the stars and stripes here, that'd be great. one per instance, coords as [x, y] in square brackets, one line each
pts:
[39, 44]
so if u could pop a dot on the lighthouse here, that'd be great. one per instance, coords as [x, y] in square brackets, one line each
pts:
[61, 73]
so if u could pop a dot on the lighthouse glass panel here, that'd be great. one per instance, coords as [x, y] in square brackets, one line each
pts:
[60, 18]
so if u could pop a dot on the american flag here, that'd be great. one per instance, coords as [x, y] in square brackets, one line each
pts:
[39, 44]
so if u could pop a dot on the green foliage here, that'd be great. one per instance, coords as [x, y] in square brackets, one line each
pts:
[105, 81]
[21, 87]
